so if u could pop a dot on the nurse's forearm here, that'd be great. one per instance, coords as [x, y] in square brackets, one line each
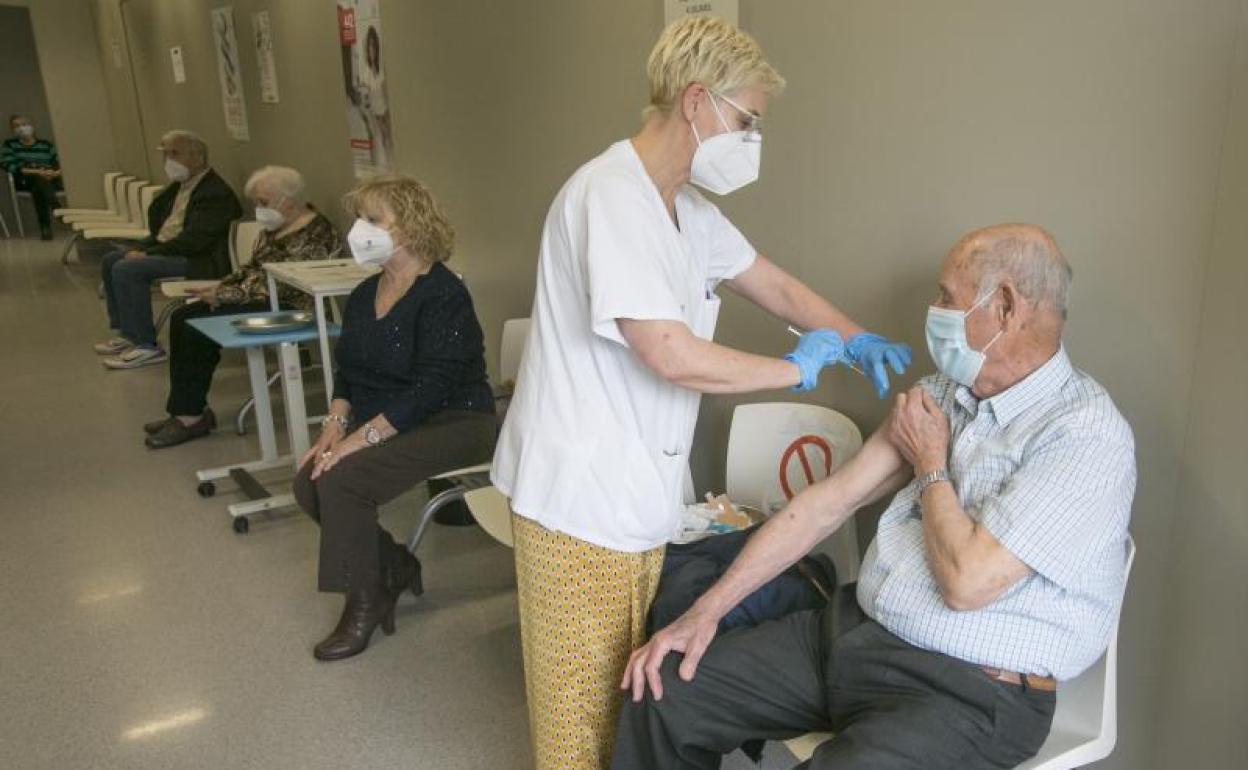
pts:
[787, 298]
[677, 355]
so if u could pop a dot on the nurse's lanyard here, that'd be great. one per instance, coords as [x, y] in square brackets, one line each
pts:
[796, 332]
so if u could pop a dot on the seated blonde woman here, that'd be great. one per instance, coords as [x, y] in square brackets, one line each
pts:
[293, 230]
[411, 401]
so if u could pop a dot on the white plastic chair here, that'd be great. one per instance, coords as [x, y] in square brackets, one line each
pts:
[110, 199]
[138, 199]
[1085, 724]
[477, 478]
[118, 206]
[491, 510]
[775, 450]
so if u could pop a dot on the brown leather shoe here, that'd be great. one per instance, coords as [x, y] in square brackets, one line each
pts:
[174, 432]
[154, 427]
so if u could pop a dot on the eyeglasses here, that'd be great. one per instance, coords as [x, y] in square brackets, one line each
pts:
[754, 125]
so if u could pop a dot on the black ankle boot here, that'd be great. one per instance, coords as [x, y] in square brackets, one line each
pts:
[405, 576]
[364, 611]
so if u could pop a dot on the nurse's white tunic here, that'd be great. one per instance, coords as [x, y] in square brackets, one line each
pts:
[595, 444]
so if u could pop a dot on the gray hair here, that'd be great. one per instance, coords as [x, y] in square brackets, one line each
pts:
[1034, 265]
[279, 180]
[188, 139]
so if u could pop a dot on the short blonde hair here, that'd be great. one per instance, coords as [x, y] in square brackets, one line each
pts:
[707, 50]
[285, 182]
[420, 225]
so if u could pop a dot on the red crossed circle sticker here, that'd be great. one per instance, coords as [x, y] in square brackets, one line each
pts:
[799, 448]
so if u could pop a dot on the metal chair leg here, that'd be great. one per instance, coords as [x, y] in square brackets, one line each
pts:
[166, 312]
[431, 507]
[69, 246]
[4, 223]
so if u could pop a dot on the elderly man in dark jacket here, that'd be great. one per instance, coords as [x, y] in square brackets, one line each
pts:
[190, 226]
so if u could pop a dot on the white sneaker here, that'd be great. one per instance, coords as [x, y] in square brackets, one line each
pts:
[137, 357]
[113, 345]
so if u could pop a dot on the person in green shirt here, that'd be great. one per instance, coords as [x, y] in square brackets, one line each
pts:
[35, 168]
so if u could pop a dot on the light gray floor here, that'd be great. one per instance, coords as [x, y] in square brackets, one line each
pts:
[138, 631]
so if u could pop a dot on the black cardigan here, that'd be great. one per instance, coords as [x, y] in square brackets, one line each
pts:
[205, 235]
[426, 355]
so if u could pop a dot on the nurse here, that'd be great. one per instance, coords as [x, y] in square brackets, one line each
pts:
[595, 446]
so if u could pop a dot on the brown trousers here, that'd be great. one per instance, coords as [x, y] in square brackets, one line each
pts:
[355, 549]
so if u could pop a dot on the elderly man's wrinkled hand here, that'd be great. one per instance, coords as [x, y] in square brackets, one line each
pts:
[920, 430]
[691, 634]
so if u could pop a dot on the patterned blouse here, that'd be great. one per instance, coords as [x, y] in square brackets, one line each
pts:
[318, 239]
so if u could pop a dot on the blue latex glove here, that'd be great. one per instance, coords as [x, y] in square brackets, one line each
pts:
[815, 350]
[869, 352]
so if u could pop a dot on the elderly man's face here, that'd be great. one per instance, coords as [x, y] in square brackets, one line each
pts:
[181, 152]
[956, 290]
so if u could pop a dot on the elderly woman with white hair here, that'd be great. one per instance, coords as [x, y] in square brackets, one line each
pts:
[292, 230]
[598, 436]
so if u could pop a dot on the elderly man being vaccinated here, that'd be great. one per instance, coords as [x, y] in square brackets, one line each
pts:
[997, 569]
[596, 443]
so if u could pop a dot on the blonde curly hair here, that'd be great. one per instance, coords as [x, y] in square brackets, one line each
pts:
[420, 225]
[710, 51]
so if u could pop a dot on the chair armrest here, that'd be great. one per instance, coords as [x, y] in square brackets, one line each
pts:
[104, 230]
[177, 289]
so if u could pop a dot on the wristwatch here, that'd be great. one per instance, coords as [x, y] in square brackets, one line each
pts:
[372, 436]
[936, 476]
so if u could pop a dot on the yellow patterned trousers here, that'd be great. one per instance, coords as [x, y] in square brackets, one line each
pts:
[582, 613]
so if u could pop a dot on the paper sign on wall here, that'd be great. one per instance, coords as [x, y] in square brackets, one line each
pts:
[229, 73]
[263, 34]
[179, 69]
[678, 9]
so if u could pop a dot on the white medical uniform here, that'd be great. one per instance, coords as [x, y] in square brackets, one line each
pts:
[596, 444]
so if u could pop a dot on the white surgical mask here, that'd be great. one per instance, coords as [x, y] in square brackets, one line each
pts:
[176, 171]
[728, 161]
[269, 218]
[370, 244]
[25, 131]
[946, 341]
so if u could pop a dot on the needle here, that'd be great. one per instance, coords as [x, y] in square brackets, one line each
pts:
[796, 332]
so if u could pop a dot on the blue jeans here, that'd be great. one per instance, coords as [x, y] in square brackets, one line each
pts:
[128, 292]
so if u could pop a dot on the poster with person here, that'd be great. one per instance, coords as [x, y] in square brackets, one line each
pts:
[368, 108]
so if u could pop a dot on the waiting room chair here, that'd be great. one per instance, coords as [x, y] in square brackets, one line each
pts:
[138, 198]
[477, 478]
[115, 200]
[775, 450]
[1085, 724]
[110, 199]
[14, 195]
[491, 510]
[121, 213]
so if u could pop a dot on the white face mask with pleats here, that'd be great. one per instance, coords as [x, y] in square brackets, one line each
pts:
[946, 341]
[269, 217]
[729, 161]
[176, 171]
[370, 244]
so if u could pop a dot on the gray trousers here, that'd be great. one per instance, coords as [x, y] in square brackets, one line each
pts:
[355, 549]
[890, 704]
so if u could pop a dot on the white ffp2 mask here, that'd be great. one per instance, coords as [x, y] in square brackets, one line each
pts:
[269, 218]
[176, 171]
[370, 244]
[728, 161]
[946, 341]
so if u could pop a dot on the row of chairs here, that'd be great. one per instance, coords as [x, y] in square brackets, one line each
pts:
[124, 217]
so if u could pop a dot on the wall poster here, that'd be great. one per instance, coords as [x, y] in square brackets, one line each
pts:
[368, 108]
[228, 72]
[263, 34]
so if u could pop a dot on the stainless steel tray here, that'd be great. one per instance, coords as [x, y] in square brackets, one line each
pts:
[274, 324]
